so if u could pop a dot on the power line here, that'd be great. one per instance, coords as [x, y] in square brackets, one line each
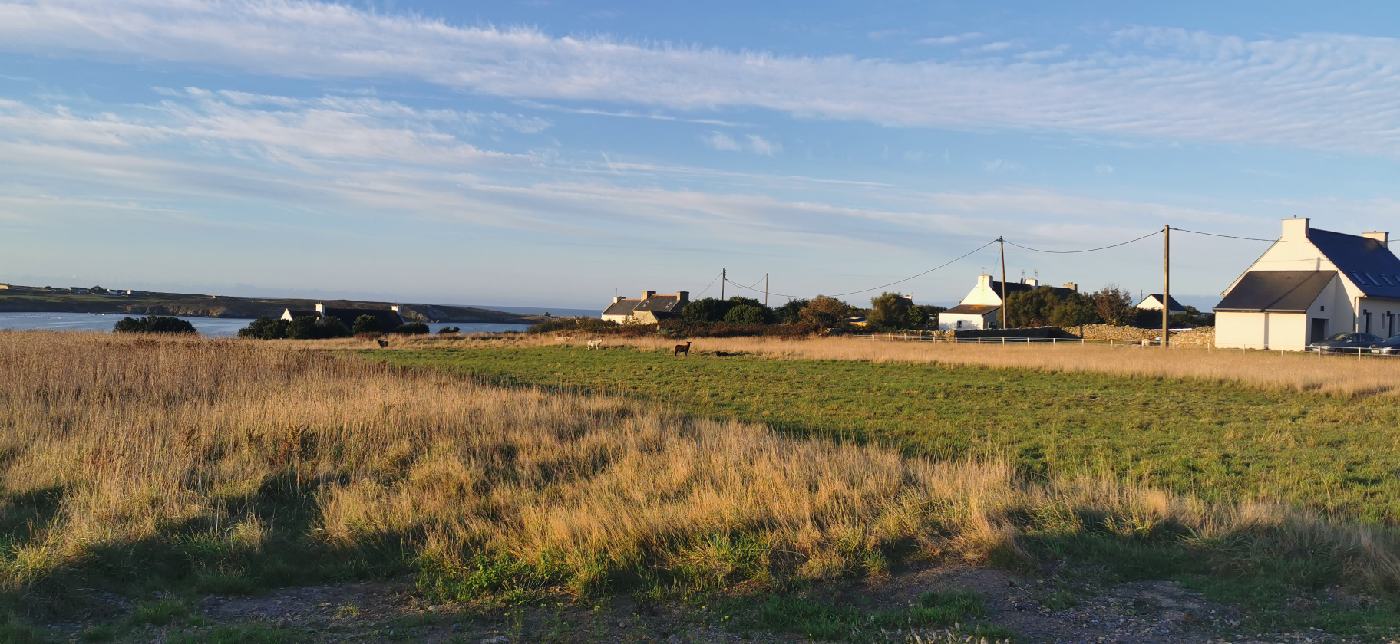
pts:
[1087, 250]
[886, 284]
[1197, 232]
[707, 286]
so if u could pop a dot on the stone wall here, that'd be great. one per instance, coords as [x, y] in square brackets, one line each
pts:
[1198, 337]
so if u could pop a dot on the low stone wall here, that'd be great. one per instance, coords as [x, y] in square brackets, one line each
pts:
[1198, 337]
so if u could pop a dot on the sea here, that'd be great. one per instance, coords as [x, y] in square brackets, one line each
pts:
[211, 327]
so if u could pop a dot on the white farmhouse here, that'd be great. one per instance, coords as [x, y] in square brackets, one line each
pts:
[981, 308]
[1153, 302]
[1310, 284]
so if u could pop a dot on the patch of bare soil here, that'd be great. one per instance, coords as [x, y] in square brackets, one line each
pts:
[1034, 611]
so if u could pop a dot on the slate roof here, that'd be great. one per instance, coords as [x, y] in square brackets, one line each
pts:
[1018, 287]
[974, 308]
[1175, 305]
[622, 307]
[303, 313]
[661, 304]
[1278, 291]
[1366, 262]
[387, 319]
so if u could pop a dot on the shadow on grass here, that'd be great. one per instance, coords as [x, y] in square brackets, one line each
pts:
[197, 556]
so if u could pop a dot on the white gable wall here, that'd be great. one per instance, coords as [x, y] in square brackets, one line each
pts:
[983, 293]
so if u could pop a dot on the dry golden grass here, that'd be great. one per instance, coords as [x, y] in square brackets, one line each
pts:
[158, 440]
[1291, 370]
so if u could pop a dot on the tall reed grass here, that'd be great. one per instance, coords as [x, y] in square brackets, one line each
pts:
[489, 491]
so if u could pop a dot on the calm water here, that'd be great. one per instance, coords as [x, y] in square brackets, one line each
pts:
[212, 327]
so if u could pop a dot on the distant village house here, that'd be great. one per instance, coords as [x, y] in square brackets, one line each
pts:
[650, 308]
[1153, 302]
[387, 318]
[1311, 284]
[981, 308]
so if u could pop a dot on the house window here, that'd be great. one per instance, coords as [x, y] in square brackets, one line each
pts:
[1366, 315]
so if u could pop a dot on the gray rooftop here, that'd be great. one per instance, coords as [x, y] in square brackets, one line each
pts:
[1277, 291]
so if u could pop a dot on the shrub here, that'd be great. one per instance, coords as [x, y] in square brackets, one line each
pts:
[790, 313]
[707, 310]
[309, 328]
[594, 325]
[367, 324]
[1114, 306]
[265, 329]
[890, 311]
[449, 330]
[747, 314]
[412, 328]
[153, 324]
[825, 312]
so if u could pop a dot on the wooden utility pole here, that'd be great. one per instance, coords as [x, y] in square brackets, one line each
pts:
[1166, 285]
[765, 290]
[723, 277]
[1002, 242]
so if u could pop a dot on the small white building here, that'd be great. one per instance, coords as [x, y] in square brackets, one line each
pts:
[1311, 284]
[1153, 302]
[981, 308]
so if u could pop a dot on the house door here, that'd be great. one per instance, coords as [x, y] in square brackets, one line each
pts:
[1318, 331]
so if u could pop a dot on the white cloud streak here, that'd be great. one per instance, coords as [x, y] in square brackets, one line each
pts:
[1315, 91]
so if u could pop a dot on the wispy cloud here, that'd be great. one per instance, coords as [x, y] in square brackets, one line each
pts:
[752, 143]
[1318, 91]
[950, 39]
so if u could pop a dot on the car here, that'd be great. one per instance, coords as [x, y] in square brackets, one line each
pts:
[1388, 347]
[1346, 343]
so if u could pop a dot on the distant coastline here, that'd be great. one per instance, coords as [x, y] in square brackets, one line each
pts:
[34, 299]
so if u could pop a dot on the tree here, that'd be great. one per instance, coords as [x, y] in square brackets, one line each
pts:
[309, 328]
[825, 312]
[448, 330]
[1031, 308]
[153, 324]
[366, 324]
[747, 314]
[265, 329]
[707, 310]
[1114, 306]
[791, 312]
[920, 315]
[889, 311]
[1073, 310]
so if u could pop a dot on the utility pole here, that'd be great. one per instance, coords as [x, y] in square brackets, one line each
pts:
[723, 277]
[1166, 284]
[765, 290]
[1002, 242]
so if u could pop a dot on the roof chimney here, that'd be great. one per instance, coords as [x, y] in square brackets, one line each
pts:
[683, 296]
[1031, 281]
[984, 280]
[1072, 286]
[618, 298]
[1295, 229]
[1382, 237]
[646, 295]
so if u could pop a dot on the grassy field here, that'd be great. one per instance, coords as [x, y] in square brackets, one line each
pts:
[138, 475]
[1215, 440]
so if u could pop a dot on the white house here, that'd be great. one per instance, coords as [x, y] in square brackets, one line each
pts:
[1153, 302]
[981, 308]
[1308, 285]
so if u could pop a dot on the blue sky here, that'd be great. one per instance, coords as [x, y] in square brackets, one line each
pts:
[553, 153]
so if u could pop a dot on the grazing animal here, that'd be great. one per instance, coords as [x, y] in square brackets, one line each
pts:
[595, 344]
[383, 344]
[682, 348]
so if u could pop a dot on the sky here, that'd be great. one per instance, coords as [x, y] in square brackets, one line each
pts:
[557, 153]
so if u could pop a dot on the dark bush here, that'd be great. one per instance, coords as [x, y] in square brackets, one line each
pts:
[681, 328]
[588, 325]
[309, 328]
[412, 328]
[449, 330]
[153, 324]
[265, 329]
[367, 324]
[746, 314]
